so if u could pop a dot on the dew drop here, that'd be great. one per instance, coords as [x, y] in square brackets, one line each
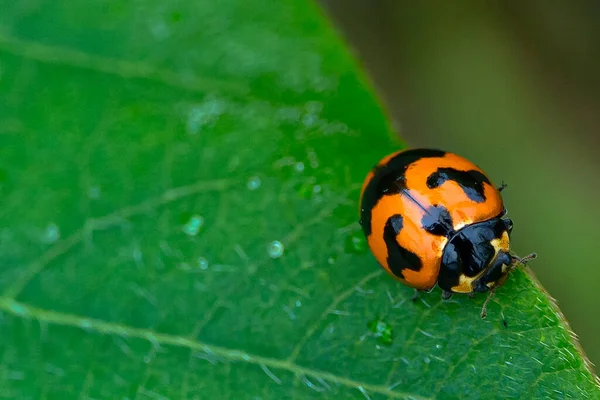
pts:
[381, 330]
[192, 227]
[85, 324]
[51, 234]
[332, 260]
[202, 263]
[317, 189]
[17, 308]
[254, 183]
[298, 303]
[299, 166]
[275, 249]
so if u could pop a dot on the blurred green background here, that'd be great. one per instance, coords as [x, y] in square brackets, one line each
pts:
[515, 88]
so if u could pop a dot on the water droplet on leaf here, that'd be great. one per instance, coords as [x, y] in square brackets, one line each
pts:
[202, 263]
[299, 166]
[51, 234]
[254, 183]
[17, 309]
[85, 324]
[275, 249]
[381, 330]
[192, 227]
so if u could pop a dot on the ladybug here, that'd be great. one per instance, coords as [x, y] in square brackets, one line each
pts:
[432, 217]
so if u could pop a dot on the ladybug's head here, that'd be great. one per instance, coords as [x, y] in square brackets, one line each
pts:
[500, 263]
[496, 273]
[477, 258]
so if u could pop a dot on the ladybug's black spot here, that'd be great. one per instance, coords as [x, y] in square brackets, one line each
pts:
[389, 179]
[395, 223]
[399, 258]
[471, 182]
[437, 221]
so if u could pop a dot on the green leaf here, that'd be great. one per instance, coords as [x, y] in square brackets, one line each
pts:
[179, 185]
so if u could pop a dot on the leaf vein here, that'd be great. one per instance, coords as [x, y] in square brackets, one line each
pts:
[108, 221]
[410, 339]
[337, 300]
[25, 311]
[464, 357]
[51, 54]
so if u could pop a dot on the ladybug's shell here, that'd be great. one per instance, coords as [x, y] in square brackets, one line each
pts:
[413, 201]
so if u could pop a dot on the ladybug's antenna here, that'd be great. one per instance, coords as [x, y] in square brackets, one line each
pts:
[523, 261]
[516, 260]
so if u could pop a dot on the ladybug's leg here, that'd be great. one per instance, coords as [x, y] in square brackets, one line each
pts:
[502, 186]
[415, 295]
[485, 303]
[446, 295]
